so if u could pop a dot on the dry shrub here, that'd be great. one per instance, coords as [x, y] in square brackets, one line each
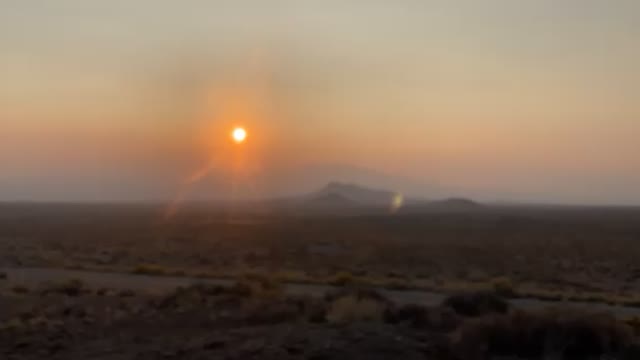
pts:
[195, 296]
[20, 289]
[477, 304]
[251, 301]
[542, 294]
[634, 323]
[103, 292]
[258, 285]
[274, 311]
[256, 297]
[178, 272]
[356, 305]
[13, 324]
[150, 269]
[351, 309]
[551, 334]
[398, 284]
[72, 287]
[343, 278]
[503, 286]
[438, 319]
[125, 293]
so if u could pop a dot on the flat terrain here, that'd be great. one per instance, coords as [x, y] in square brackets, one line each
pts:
[32, 278]
[256, 319]
[124, 282]
[548, 250]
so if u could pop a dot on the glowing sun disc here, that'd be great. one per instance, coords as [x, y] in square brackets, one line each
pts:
[239, 135]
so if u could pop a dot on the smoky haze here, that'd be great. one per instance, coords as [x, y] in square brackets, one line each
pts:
[494, 101]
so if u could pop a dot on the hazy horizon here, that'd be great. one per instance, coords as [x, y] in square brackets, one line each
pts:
[531, 101]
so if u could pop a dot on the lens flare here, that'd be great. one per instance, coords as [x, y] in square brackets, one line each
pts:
[397, 202]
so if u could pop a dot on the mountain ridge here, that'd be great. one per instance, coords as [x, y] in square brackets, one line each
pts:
[349, 195]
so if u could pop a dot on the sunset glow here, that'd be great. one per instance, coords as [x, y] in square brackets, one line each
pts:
[239, 135]
[301, 147]
[428, 98]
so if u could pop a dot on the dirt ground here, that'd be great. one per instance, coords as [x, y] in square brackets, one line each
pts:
[567, 250]
[69, 321]
[254, 320]
[570, 250]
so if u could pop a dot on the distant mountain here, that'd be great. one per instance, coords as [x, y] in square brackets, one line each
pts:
[331, 200]
[456, 203]
[289, 181]
[356, 194]
[349, 195]
[348, 198]
[446, 205]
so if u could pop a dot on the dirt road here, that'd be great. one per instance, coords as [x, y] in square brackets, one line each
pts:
[163, 284]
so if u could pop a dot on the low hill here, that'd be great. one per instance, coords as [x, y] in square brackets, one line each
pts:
[357, 194]
[337, 197]
[456, 203]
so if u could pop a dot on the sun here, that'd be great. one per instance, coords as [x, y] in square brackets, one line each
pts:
[239, 135]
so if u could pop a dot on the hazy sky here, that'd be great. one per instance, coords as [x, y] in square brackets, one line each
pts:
[498, 99]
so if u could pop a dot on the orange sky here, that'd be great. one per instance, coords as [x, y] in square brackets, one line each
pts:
[529, 101]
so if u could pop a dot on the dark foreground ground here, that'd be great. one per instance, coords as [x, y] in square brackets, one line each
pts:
[556, 254]
[254, 319]
[551, 252]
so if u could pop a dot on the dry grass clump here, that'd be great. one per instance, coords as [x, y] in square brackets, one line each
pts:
[13, 324]
[20, 289]
[249, 294]
[343, 278]
[365, 305]
[398, 284]
[357, 292]
[632, 302]
[72, 287]
[258, 285]
[292, 276]
[503, 286]
[178, 272]
[262, 300]
[275, 311]
[477, 304]
[439, 319]
[250, 301]
[356, 306]
[608, 299]
[634, 324]
[150, 269]
[549, 335]
[104, 292]
[542, 294]
[351, 309]
[126, 293]
[195, 296]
